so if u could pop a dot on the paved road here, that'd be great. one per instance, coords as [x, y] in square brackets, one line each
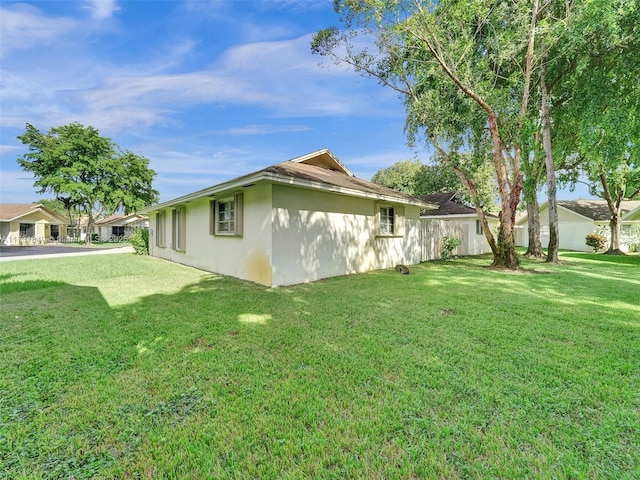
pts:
[8, 253]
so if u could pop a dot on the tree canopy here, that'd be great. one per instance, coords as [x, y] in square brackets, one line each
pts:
[464, 68]
[597, 104]
[86, 171]
[416, 178]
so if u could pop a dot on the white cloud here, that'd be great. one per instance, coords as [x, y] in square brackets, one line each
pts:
[101, 9]
[24, 26]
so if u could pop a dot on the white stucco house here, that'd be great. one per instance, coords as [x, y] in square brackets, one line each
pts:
[297, 221]
[119, 226]
[460, 221]
[577, 219]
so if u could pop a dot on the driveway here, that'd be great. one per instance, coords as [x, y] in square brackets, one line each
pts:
[8, 253]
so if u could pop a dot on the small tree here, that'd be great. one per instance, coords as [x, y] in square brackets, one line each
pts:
[596, 241]
[87, 172]
[449, 244]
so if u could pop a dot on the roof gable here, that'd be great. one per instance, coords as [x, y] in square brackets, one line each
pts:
[632, 215]
[596, 210]
[319, 170]
[120, 218]
[323, 159]
[14, 211]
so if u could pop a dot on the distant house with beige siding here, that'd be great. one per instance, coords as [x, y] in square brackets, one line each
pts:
[297, 221]
[27, 223]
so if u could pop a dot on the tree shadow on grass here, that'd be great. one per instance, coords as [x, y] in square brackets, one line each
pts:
[101, 391]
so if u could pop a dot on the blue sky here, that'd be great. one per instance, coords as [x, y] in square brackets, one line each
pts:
[207, 90]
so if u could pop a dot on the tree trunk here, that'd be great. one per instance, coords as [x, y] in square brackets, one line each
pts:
[505, 256]
[552, 252]
[614, 227]
[90, 222]
[534, 249]
[614, 210]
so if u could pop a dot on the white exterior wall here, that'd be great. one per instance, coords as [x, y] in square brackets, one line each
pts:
[247, 257]
[463, 228]
[477, 243]
[319, 235]
[572, 230]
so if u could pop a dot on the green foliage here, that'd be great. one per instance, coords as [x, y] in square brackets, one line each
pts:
[460, 68]
[449, 244]
[415, 178]
[597, 100]
[87, 171]
[402, 176]
[123, 366]
[140, 241]
[596, 241]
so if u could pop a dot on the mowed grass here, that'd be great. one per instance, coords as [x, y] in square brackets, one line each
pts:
[121, 366]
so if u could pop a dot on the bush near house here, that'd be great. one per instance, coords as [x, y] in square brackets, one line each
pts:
[449, 244]
[139, 240]
[596, 241]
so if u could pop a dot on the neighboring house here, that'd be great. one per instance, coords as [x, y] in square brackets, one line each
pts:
[462, 222]
[27, 223]
[119, 226]
[577, 219]
[77, 231]
[294, 222]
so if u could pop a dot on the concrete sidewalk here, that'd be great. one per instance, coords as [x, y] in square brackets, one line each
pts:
[7, 255]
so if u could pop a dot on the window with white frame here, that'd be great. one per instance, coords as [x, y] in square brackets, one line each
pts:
[179, 228]
[161, 225]
[479, 229]
[387, 220]
[226, 215]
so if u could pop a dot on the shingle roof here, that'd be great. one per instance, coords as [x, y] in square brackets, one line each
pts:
[120, 217]
[332, 177]
[446, 205]
[9, 211]
[13, 211]
[315, 170]
[596, 210]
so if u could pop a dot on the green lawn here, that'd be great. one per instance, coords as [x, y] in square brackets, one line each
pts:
[121, 366]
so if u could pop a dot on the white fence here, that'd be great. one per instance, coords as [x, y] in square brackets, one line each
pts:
[433, 233]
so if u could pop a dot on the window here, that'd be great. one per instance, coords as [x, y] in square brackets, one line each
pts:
[161, 224]
[27, 230]
[479, 229]
[226, 216]
[179, 229]
[390, 220]
[387, 221]
[117, 231]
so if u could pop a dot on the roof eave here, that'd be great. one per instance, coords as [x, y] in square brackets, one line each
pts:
[284, 180]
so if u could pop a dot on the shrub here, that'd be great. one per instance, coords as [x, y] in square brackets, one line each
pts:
[596, 241]
[448, 245]
[139, 240]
